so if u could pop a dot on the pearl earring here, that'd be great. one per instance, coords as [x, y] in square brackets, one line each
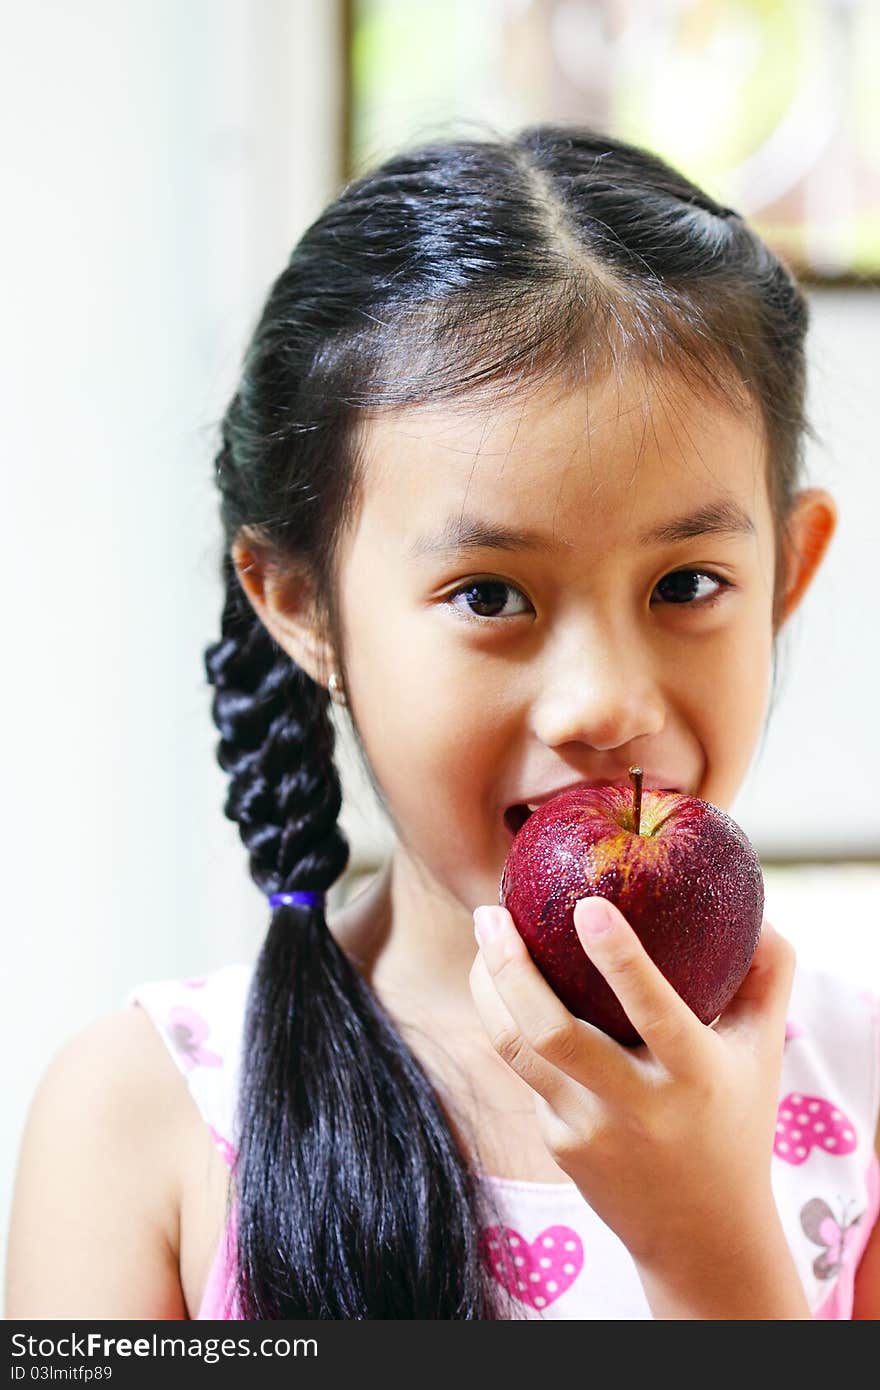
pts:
[337, 694]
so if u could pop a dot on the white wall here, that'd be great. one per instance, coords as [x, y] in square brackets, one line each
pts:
[159, 161]
[812, 788]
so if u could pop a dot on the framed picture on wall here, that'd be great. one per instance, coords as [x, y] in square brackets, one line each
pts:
[772, 105]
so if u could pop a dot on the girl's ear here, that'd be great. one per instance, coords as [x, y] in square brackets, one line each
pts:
[808, 531]
[283, 603]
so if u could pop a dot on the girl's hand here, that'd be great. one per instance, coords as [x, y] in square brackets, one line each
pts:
[670, 1142]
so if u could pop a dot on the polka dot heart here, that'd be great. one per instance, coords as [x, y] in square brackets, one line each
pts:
[807, 1122]
[536, 1272]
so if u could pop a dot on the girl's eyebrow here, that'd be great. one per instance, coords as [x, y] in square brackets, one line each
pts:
[722, 516]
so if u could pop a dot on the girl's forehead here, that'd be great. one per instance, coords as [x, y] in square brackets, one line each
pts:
[634, 449]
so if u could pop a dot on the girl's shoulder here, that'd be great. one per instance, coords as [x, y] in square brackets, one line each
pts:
[97, 1158]
[201, 1022]
[825, 1173]
[833, 1027]
[831, 1060]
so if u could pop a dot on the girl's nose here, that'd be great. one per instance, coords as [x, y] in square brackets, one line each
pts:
[604, 695]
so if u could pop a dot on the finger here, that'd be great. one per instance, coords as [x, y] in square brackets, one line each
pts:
[761, 1002]
[507, 1040]
[564, 1108]
[540, 1021]
[670, 1029]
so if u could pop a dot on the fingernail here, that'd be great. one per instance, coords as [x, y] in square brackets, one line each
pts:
[487, 925]
[595, 917]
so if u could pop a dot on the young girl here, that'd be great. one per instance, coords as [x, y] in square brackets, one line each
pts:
[512, 476]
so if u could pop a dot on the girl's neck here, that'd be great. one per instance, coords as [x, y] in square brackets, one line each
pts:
[412, 946]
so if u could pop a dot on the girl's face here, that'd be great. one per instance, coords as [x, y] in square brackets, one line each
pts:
[621, 614]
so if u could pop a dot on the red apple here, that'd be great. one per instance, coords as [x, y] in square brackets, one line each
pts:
[682, 872]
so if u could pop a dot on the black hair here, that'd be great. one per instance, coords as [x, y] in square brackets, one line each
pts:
[461, 268]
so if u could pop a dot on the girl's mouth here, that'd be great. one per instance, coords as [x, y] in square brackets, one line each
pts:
[515, 817]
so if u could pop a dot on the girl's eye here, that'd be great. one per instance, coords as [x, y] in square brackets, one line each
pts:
[490, 594]
[682, 585]
[680, 588]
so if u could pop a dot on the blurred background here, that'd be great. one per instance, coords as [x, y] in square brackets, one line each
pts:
[159, 162]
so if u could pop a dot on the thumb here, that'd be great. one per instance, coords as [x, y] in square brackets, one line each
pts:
[656, 1011]
[597, 916]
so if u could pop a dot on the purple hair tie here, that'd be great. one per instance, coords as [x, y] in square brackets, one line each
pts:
[299, 898]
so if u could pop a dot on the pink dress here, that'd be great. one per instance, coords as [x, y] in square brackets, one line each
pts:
[560, 1260]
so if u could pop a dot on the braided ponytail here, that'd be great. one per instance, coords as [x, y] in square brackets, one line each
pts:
[277, 748]
[458, 266]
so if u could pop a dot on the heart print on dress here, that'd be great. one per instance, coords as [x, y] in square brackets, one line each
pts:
[807, 1122]
[536, 1272]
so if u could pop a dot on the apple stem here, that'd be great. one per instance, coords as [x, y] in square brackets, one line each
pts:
[635, 776]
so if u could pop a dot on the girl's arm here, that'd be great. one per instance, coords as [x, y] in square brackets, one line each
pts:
[94, 1222]
[866, 1301]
